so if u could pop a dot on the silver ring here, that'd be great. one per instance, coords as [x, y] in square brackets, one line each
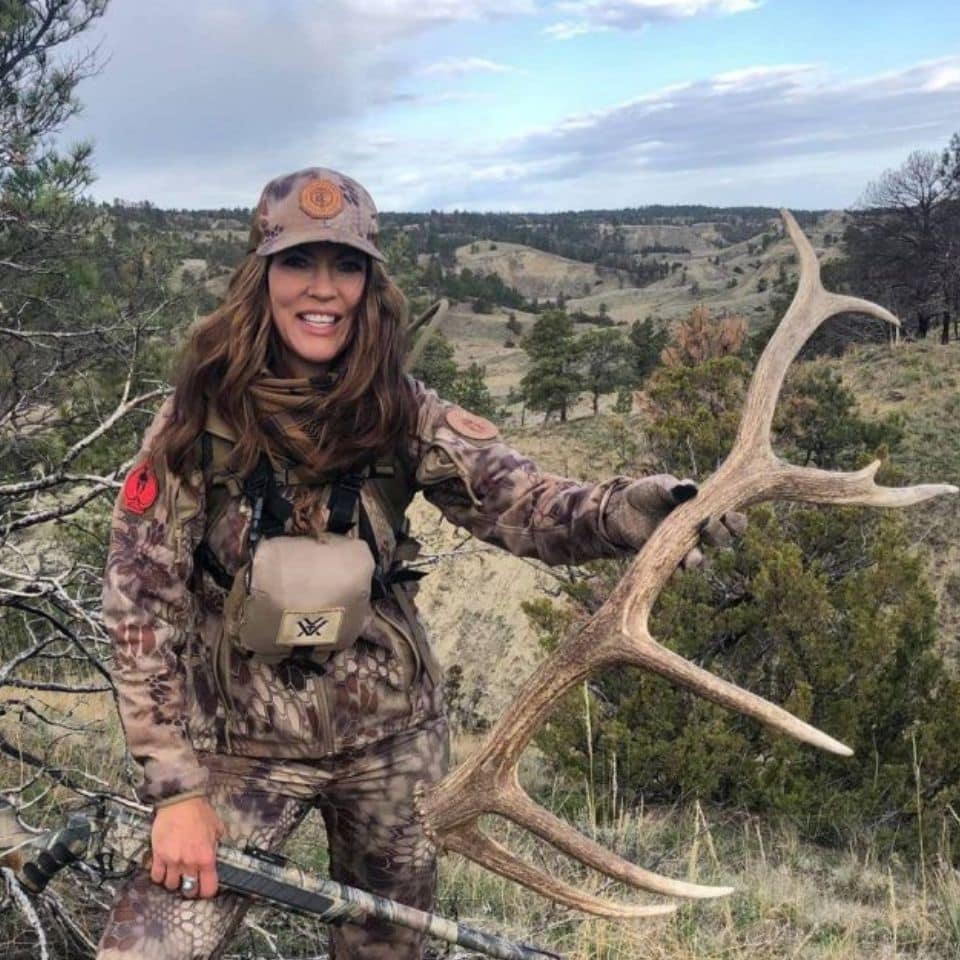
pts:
[188, 884]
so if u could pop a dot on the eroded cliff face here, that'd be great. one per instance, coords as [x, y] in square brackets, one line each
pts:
[471, 606]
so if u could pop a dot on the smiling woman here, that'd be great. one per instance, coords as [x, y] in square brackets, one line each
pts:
[268, 655]
[315, 292]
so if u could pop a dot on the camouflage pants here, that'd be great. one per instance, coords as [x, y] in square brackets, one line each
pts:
[375, 841]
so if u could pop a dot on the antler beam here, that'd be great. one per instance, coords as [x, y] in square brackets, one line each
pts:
[618, 633]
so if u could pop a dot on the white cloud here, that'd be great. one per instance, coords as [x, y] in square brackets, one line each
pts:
[752, 116]
[199, 106]
[407, 14]
[568, 29]
[589, 16]
[763, 134]
[945, 78]
[758, 76]
[210, 85]
[461, 66]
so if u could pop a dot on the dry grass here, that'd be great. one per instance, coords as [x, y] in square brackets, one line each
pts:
[792, 899]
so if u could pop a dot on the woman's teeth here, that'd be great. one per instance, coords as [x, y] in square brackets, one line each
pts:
[318, 319]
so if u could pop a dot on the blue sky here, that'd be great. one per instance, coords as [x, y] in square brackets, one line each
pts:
[519, 104]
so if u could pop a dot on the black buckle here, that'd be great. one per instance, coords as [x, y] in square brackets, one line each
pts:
[351, 481]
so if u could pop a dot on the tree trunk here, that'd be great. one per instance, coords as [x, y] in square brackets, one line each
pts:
[945, 327]
[923, 325]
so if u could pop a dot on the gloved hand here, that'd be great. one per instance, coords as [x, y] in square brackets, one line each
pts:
[634, 513]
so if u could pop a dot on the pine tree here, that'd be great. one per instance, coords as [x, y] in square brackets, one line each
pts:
[645, 343]
[552, 383]
[471, 392]
[436, 366]
[601, 363]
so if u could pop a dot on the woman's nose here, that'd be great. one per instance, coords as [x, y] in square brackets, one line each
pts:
[320, 283]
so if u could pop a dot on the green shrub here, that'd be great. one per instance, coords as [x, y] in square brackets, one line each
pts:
[825, 611]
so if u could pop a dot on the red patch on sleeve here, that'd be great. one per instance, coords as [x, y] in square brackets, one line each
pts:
[140, 489]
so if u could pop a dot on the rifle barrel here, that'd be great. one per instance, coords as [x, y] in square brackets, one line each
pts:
[118, 831]
[271, 879]
[291, 887]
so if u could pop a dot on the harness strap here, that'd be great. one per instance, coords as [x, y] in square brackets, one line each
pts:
[206, 452]
[344, 498]
[343, 501]
[211, 563]
[270, 512]
[378, 588]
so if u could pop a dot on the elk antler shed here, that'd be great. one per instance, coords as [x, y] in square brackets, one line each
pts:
[487, 782]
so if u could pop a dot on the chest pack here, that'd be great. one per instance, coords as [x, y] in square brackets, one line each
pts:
[305, 595]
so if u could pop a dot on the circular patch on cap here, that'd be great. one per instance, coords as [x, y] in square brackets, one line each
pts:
[470, 425]
[140, 489]
[321, 199]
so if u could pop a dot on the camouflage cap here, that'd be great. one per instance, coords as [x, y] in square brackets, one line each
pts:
[313, 205]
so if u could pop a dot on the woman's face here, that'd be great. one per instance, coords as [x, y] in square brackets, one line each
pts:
[315, 295]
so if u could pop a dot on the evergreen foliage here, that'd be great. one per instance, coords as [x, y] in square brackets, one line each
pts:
[552, 382]
[436, 366]
[484, 289]
[825, 611]
[86, 329]
[596, 237]
[645, 343]
[817, 418]
[696, 411]
[601, 363]
[438, 370]
[471, 392]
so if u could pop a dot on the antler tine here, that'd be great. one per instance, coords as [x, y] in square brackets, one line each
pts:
[618, 633]
[473, 843]
[809, 485]
[811, 306]
[518, 807]
[646, 653]
[427, 324]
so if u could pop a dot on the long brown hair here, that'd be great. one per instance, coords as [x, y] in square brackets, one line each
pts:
[365, 411]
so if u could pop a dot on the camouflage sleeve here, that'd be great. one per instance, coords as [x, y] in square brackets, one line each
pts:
[148, 609]
[500, 496]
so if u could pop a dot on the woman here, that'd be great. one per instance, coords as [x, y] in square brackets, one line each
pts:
[268, 656]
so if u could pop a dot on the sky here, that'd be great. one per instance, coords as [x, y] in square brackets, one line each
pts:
[514, 105]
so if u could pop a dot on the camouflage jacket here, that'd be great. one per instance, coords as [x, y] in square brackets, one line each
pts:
[165, 613]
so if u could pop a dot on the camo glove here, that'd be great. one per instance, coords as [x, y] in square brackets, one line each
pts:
[638, 509]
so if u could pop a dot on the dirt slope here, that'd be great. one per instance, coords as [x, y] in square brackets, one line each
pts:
[536, 273]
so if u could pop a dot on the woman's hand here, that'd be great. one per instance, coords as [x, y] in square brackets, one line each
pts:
[184, 841]
[646, 502]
